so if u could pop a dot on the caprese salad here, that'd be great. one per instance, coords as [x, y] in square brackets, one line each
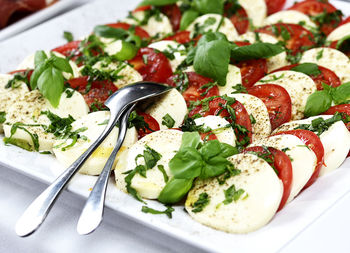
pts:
[259, 110]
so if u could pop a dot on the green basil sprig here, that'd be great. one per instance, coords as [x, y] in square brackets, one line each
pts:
[258, 50]
[195, 159]
[310, 69]
[321, 101]
[157, 2]
[48, 77]
[187, 18]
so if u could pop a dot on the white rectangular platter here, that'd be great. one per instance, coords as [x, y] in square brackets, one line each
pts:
[38, 17]
[285, 226]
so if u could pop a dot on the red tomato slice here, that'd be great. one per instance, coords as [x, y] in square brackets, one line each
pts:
[23, 72]
[300, 39]
[208, 136]
[239, 19]
[153, 66]
[345, 21]
[281, 162]
[327, 76]
[344, 108]
[251, 70]
[181, 37]
[314, 8]
[150, 121]
[216, 108]
[69, 49]
[173, 12]
[142, 8]
[314, 143]
[344, 47]
[276, 100]
[98, 92]
[274, 6]
[138, 30]
[194, 92]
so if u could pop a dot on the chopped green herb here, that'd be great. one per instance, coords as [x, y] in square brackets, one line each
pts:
[168, 121]
[167, 212]
[202, 201]
[68, 36]
[165, 176]
[231, 194]
[319, 55]
[320, 125]
[2, 117]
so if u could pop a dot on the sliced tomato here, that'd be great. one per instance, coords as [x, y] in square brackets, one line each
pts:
[216, 107]
[277, 102]
[344, 108]
[274, 6]
[173, 12]
[344, 47]
[239, 18]
[251, 70]
[69, 49]
[23, 72]
[181, 37]
[152, 65]
[142, 8]
[296, 38]
[208, 136]
[95, 93]
[314, 143]
[138, 30]
[281, 162]
[316, 7]
[345, 21]
[152, 125]
[194, 91]
[327, 76]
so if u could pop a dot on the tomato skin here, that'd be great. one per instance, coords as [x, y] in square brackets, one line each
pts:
[181, 37]
[314, 143]
[142, 8]
[138, 30]
[152, 125]
[22, 72]
[315, 7]
[300, 38]
[173, 12]
[274, 6]
[208, 136]
[194, 91]
[97, 94]
[69, 49]
[157, 69]
[215, 108]
[239, 19]
[327, 76]
[282, 164]
[345, 21]
[277, 102]
[251, 70]
[344, 108]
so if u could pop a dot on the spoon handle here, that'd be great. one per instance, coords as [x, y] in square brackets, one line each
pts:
[36, 213]
[92, 213]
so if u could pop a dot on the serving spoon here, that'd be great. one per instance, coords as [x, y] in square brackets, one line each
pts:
[92, 213]
[118, 102]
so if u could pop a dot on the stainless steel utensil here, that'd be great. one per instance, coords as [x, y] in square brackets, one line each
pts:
[92, 213]
[36, 213]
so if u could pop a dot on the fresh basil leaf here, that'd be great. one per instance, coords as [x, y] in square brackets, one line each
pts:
[202, 201]
[256, 51]
[187, 18]
[109, 32]
[68, 36]
[151, 157]
[341, 94]
[2, 117]
[39, 69]
[209, 6]
[212, 60]
[40, 57]
[210, 149]
[341, 41]
[318, 102]
[186, 164]
[167, 212]
[190, 140]
[61, 64]
[127, 52]
[157, 2]
[227, 150]
[168, 121]
[51, 85]
[231, 194]
[175, 190]
[211, 36]
[213, 167]
[310, 69]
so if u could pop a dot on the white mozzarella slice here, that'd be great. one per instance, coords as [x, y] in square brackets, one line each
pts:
[128, 75]
[166, 143]
[329, 58]
[256, 10]
[157, 26]
[94, 123]
[298, 85]
[302, 158]
[176, 49]
[339, 33]
[233, 78]
[111, 46]
[335, 140]
[290, 17]
[275, 62]
[27, 110]
[28, 63]
[171, 103]
[10, 95]
[211, 22]
[257, 109]
[220, 127]
[262, 191]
